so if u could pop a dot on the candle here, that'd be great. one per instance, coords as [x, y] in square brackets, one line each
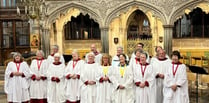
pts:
[18, 11]
[86, 35]
[26, 9]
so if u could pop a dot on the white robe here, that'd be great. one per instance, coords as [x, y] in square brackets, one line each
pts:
[133, 56]
[133, 62]
[88, 92]
[180, 78]
[73, 85]
[105, 88]
[159, 67]
[56, 91]
[16, 87]
[50, 59]
[38, 88]
[122, 95]
[116, 60]
[144, 95]
[97, 58]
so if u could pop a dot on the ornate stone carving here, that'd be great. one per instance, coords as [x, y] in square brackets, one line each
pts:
[103, 6]
[168, 6]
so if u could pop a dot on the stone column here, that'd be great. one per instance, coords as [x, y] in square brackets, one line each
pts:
[45, 40]
[105, 39]
[168, 35]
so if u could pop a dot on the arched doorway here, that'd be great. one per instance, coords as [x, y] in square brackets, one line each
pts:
[138, 30]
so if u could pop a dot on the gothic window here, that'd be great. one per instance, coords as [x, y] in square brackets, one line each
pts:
[138, 26]
[15, 33]
[7, 3]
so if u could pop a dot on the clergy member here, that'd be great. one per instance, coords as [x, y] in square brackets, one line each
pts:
[104, 87]
[115, 59]
[16, 83]
[55, 86]
[143, 79]
[160, 66]
[72, 76]
[175, 84]
[50, 58]
[38, 83]
[97, 54]
[88, 77]
[122, 79]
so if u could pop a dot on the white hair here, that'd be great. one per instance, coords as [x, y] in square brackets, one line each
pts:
[55, 47]
[120, 47]
[91, 53]
[16, 54]
[75, 51]
[57, 55]
[40, 51]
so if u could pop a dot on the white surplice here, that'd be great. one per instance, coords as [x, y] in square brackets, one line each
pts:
[56, 91]
[104, 88]
[122, 95]
[180, 79]
[88, 92]
[144, 95]
[73, 85]
[38, 88]
[16, 87]
[159, 66]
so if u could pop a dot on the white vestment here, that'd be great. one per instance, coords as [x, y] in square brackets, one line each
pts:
[38, 88]
[144, 95]
[104, 88]
[50, 59]
[88, 92]
[116, 60]
[122, 95]
[180, 79]
[56, 91]
[159, 66]
[133, 62]
[97, 58]
[73, 85]
[16, 87]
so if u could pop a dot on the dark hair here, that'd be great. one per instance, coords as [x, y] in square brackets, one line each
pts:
[125, 58]
[138, 50]
[141, 44]
[177, 53]
[144, 53]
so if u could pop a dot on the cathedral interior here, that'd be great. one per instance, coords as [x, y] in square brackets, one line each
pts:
[183, 25]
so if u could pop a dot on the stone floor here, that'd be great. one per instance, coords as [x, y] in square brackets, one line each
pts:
[202, 98]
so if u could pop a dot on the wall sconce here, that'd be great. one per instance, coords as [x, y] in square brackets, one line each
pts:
[116, 40]
[160, 39]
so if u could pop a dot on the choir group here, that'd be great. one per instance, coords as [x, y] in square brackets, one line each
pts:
[98, 78]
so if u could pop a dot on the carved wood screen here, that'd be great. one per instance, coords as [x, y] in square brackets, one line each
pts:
[131, 45]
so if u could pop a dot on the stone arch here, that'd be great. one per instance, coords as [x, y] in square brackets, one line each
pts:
[62, 15]
[181, 10]
[63, 9]
[146, 7]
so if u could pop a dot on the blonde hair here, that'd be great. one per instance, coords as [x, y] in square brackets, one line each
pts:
[106, 56]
